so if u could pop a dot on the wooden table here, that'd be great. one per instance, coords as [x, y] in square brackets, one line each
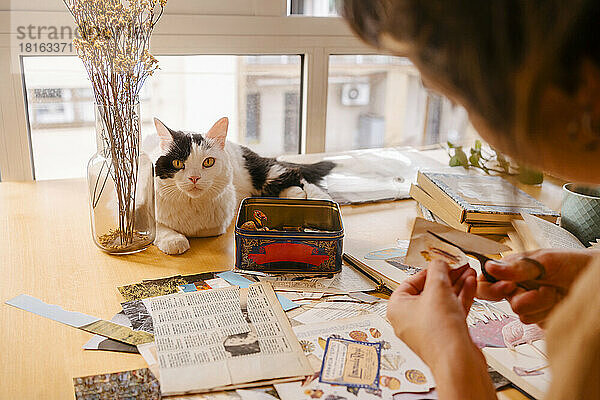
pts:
[47, 252]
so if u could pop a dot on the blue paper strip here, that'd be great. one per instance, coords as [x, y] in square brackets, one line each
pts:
[188, 287]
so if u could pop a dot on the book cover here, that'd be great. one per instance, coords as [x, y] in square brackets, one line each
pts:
[485, 198]
[439, 214]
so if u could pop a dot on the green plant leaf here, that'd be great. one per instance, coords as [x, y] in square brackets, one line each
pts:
[454, 162]
[478, 144]
[474, 159]
[459, 158]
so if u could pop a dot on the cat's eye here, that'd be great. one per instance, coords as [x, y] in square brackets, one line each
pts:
[178, 164]
[208, 162]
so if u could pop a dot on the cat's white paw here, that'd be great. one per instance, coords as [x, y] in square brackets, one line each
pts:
[293, 192]
[172, 244]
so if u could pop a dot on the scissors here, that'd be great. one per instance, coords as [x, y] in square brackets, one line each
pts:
[528, 285]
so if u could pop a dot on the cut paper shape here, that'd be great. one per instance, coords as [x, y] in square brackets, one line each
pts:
[138, 315]
[161, 286]
[51, 311]
[235, 279]
[489, 333]
[484, 311]
[351, 363]
[375, 332]
[431, 395]
[425, 248]
[98, 342]
[188, 287]
[391, 362]
[81, 321]
[386, 253]
[154, 288]
[358, 336]
[138, 384]
[390, 382]
[415, 376]
[398, 262]
[403, 243]
[364, 298]
[516, 333]
[238, 280]
[528, 371]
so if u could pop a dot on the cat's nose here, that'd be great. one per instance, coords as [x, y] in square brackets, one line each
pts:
[194, 179]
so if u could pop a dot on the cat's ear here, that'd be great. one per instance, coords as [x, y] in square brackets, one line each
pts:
[164, 134]
[218, 132]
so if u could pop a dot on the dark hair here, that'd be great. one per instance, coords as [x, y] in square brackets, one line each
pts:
[475, 48]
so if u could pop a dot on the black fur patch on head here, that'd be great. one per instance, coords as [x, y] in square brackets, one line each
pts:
[199, 139]
[180, 150]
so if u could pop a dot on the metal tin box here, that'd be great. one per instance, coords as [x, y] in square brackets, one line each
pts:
[315, 247]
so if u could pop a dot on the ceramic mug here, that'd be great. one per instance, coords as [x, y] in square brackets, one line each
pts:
[580, 212]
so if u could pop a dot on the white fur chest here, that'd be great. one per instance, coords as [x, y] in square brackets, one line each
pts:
[197, 217]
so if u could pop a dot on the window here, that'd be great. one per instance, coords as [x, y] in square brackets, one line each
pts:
[188, 93]
[252, 117]
[379, 101]
[315, 8]
[264, 64]
[291, 133]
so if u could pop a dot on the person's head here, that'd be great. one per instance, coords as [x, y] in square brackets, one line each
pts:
[528, 71]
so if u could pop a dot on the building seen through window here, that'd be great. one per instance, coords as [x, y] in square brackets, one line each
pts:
[259, 94]
[315, 8]
[379, 101]
[372, 101]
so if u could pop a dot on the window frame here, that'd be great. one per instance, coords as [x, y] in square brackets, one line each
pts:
[268, 30]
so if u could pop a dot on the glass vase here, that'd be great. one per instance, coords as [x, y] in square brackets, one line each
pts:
[121, 183]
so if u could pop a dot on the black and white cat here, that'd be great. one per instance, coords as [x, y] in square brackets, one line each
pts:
[201, 179]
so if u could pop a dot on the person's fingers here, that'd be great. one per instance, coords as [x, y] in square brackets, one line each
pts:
[456, 273]
[437, 276]
[494, 291]
[467, 293]
[413, 285]
[458, 284]
[519, 270]
[535, 318]
[534, 301]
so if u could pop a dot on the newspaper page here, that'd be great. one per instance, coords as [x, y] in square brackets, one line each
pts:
[400, 369]
[215, 338]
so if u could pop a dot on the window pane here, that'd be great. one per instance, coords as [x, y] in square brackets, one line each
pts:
[259, 94]
[379, 101]
[315, 8]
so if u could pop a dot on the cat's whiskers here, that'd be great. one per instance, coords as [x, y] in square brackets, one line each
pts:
[168, 190]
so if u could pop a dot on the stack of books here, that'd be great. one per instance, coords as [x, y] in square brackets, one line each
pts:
[480, 204]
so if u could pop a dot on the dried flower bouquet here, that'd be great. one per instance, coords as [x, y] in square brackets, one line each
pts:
[113, 41]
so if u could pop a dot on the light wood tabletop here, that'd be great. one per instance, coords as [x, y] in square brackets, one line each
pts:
[47, 252]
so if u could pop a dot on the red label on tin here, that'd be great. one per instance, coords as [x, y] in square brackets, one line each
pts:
[290, 252]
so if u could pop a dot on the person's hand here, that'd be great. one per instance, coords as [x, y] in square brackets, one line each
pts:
[428, 313]
[429, 309]
[533, 306]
